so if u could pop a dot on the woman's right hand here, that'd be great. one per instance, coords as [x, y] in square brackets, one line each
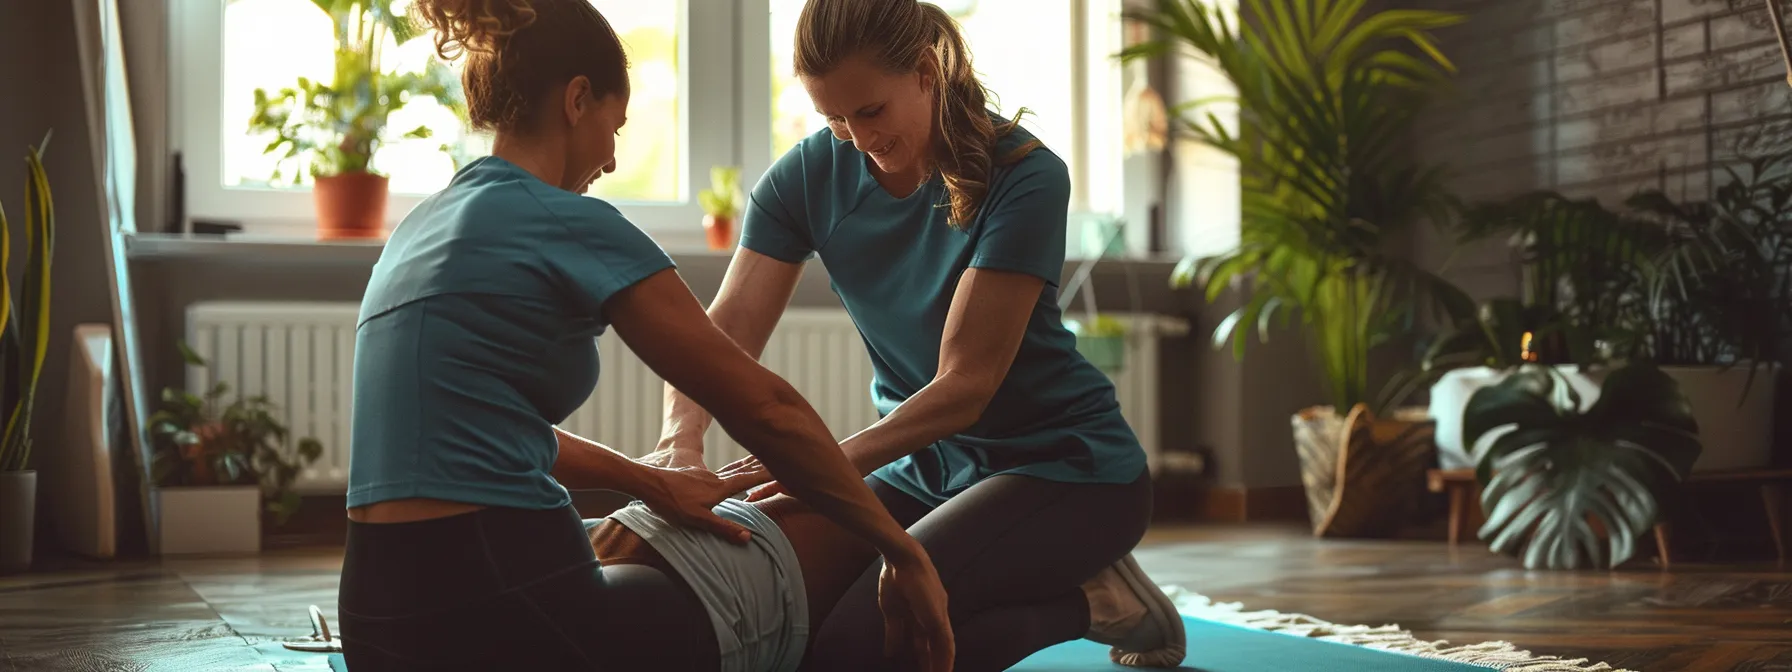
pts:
[915, 615]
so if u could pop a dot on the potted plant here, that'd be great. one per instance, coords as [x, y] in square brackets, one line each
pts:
[1718, 305]
[215, 464]
[1102, 340]
[24, 340]
[721, 206]
[1693, 288]
[1581, 304]
[332, 130]
[1323, 93]
[1570, 485]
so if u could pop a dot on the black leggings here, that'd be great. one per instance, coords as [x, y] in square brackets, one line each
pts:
[1013, 553]
[509, 589]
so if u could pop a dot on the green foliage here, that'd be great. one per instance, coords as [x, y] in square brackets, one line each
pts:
[25, 320]
[1324, 98]
[1561, 468]
[336, 127]
[1719, 294]
[722, 199]
[203, 441]
[1670, 282]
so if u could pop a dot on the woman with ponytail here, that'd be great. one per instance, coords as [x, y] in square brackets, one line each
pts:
[475, 340]
[942, 227]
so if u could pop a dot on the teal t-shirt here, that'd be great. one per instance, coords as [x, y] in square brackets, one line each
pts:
[895, 262]
[476, 337]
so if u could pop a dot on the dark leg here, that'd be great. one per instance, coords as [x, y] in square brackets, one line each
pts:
[1775, 502]
[1013, 553]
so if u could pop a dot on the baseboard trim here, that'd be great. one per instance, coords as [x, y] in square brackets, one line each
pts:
[1241, 505]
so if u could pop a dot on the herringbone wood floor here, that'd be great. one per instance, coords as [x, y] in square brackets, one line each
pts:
[232, 613]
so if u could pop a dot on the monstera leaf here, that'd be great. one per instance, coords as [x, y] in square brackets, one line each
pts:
[1560, 468]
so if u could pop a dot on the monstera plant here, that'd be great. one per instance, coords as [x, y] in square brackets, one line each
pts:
[1569, 487]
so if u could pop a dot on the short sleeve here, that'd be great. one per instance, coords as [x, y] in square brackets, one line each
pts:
[603, 253]
[1026, 223]
[776, 220]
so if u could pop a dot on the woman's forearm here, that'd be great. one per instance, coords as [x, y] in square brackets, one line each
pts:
[948, 405]
[583, 464]
[753, 295]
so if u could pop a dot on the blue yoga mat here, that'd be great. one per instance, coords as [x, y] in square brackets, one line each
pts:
[1216, 647]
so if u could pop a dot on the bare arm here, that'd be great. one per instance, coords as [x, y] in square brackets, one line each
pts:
[753, 296]
[663, 324]
[984, 328]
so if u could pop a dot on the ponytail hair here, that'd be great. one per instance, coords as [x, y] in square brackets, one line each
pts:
[519, 51]
[895, 35]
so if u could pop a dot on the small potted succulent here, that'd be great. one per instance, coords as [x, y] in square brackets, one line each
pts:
[216, 462]
[721, 206]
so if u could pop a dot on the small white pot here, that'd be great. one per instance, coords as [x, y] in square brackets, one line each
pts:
[209, 519]
[1736, 430]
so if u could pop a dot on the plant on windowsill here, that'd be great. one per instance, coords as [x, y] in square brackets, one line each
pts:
[332, 130]
[24, 340]
[1323, 93]
[721, 206]
[216, 462]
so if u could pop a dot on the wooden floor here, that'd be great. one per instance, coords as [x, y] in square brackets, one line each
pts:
[232, 613]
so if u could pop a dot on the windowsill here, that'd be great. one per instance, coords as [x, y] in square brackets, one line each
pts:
[273, 249]
[261, 249]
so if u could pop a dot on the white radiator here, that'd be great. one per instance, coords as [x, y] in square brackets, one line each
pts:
[301, 356]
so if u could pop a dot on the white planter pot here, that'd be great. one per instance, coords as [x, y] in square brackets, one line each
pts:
[1449, 399]
[1735, 435]
[209, 519]
[1736, 430]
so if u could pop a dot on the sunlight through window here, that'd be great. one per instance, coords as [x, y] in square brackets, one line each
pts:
[270, 44]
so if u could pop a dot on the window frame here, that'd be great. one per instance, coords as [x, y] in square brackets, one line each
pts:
[725, 94]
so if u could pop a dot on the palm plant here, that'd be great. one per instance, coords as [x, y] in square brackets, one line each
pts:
[1722, 294]
[1560, 469]
[1324, 97]
[25, 321]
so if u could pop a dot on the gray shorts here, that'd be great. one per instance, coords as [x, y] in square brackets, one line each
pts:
[753, 592]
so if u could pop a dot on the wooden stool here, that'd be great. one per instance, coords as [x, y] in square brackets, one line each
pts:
[1465, 499]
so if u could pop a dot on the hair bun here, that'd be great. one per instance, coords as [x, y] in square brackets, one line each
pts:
[476, 25]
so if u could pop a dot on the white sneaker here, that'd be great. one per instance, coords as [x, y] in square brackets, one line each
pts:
[1130, 614]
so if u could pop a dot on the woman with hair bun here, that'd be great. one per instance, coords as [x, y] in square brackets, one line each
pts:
[942, 228]
[475, 339]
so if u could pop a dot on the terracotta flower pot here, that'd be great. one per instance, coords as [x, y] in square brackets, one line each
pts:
[351, 206]
[719, 231]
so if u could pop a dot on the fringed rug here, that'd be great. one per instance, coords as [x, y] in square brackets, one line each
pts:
[1490, 655]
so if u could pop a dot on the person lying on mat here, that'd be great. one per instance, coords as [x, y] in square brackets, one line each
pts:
[476, 337]
[765, 598]
[941, 225]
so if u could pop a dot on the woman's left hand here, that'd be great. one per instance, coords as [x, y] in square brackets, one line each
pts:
[688, 496]
[750, 467]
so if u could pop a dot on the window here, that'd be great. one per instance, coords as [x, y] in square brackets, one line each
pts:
[705, 94]
[271, 44]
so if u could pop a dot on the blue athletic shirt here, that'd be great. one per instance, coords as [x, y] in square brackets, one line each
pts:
[475, 338]
[895, 262]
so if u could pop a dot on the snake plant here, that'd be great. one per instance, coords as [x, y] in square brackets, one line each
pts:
[1325, 94]
[25, 320]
